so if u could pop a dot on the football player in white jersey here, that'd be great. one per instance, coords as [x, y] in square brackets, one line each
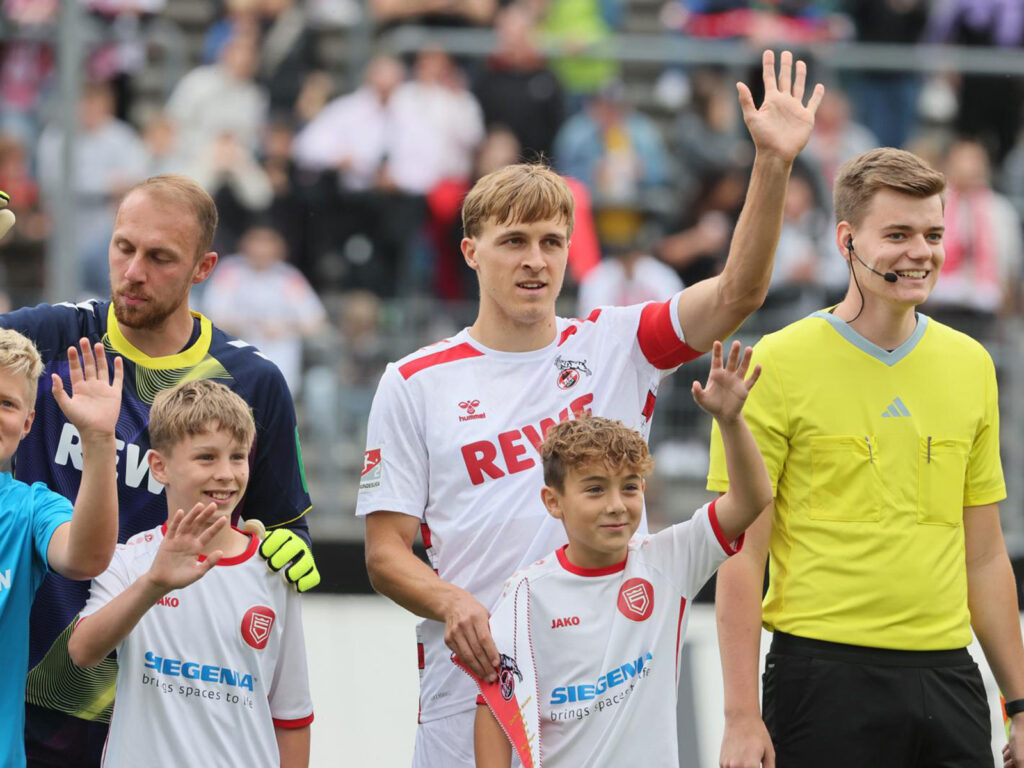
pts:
[455, 427]
[589, 637]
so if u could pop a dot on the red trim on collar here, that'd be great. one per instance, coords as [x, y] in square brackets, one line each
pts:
[590, 572]
[249, 551]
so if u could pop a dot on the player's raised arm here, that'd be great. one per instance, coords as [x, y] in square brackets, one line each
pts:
[714, 308]
[396, 572]
[750, 489]
[82, 548]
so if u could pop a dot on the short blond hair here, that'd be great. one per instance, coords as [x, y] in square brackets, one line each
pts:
[19, 356]
[526, 192]
[587, 440]
[194, 408]
[860, 178]
[187, 193]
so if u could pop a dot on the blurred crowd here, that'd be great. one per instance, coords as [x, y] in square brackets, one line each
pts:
[336, 197]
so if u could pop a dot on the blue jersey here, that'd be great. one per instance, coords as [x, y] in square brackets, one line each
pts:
[52, 453]
[28, 517]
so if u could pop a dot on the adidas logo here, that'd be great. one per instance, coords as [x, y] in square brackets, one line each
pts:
[896, 410]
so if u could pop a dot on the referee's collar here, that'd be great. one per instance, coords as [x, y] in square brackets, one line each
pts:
[869, 347]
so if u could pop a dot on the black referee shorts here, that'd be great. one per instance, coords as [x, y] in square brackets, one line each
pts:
[846, 706]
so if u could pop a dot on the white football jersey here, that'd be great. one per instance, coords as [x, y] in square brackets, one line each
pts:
[603, 647]
[208, 671]
[453, 439]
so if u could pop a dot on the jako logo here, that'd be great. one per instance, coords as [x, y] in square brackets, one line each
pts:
[193, 670]
[470, 406]
[617, 676]
[571, 621]
[170, 602]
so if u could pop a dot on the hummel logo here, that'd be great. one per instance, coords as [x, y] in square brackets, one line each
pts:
[896, 410]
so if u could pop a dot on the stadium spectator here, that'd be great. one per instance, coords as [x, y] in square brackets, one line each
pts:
[982, 271]
[572, 27]
[628, 274]
[444, 13]
[163, 149]
[517, 90]
[837, 137]
[800, 279]
[288, 209]
[887, 480]
[989, 104]
[158, 251]
[109, 158]
[26, 68]
[708, 136]
[220, 98]
[451, 427]
[887, 101]
[258, 295]
[698, 242]
[613, 149]
[390, 143]
[236, 182]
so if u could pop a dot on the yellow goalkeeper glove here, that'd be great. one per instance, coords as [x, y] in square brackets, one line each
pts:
[283, 547]
[6, 215]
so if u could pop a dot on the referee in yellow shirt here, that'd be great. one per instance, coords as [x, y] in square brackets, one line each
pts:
[880, 430]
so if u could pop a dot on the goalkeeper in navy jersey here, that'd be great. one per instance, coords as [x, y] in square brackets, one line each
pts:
[160, 248]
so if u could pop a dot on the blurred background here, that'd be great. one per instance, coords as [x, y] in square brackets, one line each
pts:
[338, 138]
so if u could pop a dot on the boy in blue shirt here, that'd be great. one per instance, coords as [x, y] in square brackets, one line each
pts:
[37, 529]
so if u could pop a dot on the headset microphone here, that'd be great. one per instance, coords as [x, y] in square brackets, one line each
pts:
[889, 277]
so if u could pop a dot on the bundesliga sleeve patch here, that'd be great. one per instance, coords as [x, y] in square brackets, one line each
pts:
[372, 470]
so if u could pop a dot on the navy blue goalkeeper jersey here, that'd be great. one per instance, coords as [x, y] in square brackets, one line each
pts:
[52, 453]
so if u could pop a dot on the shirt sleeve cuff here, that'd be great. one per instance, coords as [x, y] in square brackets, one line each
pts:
[729, 547]
[301, 722]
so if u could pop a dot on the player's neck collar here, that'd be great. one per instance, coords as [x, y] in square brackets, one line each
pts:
[187, 358]
[571, 567]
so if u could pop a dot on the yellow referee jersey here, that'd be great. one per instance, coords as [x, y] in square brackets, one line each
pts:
[873, 455]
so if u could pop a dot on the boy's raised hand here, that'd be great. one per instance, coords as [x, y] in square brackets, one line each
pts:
[95, 400]
[728, 384]
[177, 563]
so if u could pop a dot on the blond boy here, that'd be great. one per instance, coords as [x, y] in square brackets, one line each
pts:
[210, 671]
[38, 532]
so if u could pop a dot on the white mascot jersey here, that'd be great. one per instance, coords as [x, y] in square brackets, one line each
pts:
[453, 440]
[590, 656]
[208, 671]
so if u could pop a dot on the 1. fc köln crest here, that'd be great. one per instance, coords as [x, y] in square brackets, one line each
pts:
[256, 625]
[636, 599]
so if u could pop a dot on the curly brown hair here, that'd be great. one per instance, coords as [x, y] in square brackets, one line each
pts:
[589, 439]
